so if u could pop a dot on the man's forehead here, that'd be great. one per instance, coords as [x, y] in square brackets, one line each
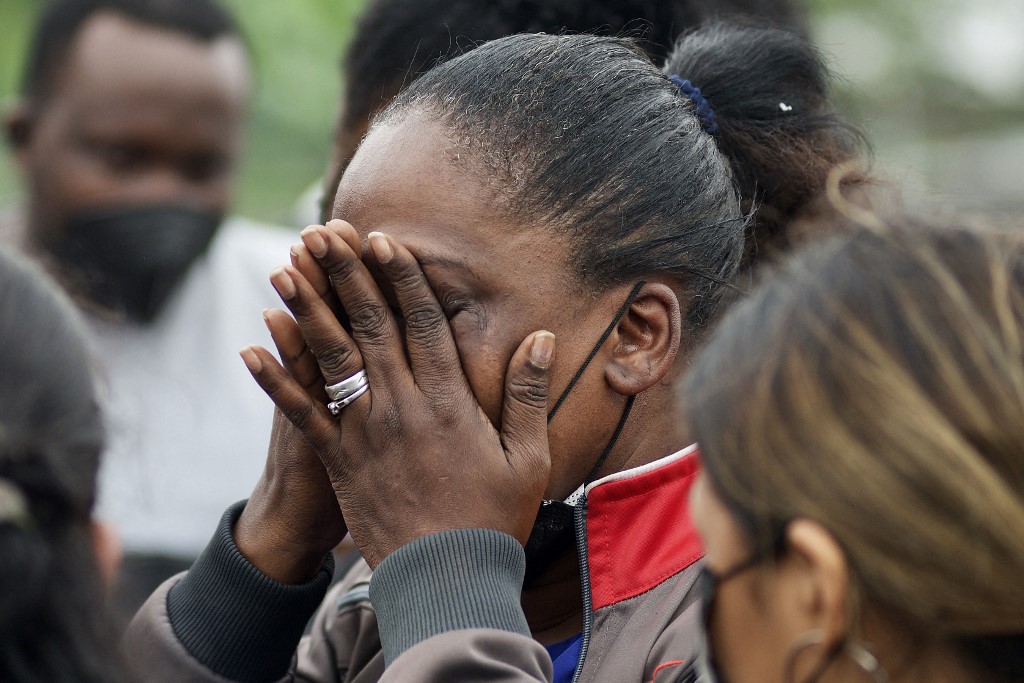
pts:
[113, 55]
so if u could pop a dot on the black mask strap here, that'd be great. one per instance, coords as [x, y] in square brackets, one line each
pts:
[611, 442]
[554, 529]
[593, 354]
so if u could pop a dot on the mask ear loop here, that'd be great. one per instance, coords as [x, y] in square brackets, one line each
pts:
[612, 441]
[633, 294]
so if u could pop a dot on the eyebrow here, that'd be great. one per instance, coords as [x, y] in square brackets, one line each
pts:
[448, 262]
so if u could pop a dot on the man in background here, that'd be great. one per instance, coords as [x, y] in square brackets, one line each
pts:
[128, 136]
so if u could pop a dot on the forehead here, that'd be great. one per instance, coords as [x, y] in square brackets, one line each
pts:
[116, 65]
[410, 179]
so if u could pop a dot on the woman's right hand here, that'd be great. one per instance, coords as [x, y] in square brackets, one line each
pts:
[292, 519]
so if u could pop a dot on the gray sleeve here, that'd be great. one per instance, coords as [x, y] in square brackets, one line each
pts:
[235, 620]
[450, 581]
[152, 652]
[476, 655]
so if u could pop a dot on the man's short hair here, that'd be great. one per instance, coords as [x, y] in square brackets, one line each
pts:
[61, 20]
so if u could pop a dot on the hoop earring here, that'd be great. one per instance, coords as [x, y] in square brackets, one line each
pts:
[867, 662]
[806, 641]
[859, 654]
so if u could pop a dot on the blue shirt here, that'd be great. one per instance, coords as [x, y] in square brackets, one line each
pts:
[564, 656]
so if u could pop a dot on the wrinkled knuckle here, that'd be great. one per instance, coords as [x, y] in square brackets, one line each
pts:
[340, 270]
[532, 391]
[424, 322]
[299, 415]
[369, 320]
[336, 362]
[408, 278]
[305, 316]
[271, 384]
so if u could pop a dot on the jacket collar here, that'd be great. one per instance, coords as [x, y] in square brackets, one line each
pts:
[639, 528]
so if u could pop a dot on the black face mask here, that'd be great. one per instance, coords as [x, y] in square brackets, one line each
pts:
[710, 583]
[130, 259]
[554, 530]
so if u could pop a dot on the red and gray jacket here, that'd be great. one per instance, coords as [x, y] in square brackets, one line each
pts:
[445, 607]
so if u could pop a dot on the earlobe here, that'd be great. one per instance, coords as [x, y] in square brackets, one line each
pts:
[647, 341]
[825, 584]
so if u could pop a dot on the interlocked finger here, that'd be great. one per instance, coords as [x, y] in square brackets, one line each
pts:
[373, 328]
[296, 357]
[432, 352]
[336, 354]
[304, 412]
[318, 280]
[317, 276]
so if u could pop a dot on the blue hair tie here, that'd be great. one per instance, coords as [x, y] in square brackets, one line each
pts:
[704, 111]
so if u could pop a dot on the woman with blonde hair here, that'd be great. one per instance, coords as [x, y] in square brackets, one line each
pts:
[861, 422]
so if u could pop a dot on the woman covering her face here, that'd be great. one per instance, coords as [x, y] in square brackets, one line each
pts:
[537, 188]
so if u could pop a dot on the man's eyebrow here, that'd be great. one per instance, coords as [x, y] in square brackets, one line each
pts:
[447, 262]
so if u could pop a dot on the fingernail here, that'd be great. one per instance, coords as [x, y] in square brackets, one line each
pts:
[381, 247]
[294, 253]
[314, 241]
[543, 348]
[283, 283]
[251, 360]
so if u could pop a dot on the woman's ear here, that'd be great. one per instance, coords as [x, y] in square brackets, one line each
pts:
[106, 545]
[646, 341]
[820, 580]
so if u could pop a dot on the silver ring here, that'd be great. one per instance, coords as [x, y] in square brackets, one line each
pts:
[336, 406]
[347, 386]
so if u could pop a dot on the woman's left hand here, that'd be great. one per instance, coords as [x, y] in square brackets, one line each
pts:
[418, 455]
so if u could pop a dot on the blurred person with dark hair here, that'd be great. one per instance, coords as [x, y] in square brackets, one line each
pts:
[56, 561]
[398, 40]
[128, 135]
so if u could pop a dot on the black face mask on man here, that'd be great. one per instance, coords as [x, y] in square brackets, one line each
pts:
[130, 259]
[554, 530]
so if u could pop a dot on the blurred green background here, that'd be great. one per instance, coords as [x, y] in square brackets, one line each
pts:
[937, 85]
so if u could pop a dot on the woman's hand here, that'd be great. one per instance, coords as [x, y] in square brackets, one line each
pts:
[415, 455]
[292, 519]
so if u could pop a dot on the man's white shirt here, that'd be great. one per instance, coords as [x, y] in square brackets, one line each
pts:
[188, 428]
